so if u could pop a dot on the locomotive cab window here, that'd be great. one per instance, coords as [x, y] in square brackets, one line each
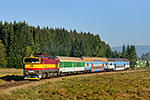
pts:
[41, 60]
[31, 60]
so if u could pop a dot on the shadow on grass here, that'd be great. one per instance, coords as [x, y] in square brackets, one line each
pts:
[12, 78]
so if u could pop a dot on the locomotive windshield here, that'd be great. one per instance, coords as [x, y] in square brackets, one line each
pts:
[31, 60]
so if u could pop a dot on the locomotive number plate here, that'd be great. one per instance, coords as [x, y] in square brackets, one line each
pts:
[31, 71]
[31, 65]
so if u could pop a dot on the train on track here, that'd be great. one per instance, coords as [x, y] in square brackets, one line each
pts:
[39, 65]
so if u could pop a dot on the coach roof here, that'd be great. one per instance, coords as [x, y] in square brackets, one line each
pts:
[70, 59]
[93, 59]
[117, 59]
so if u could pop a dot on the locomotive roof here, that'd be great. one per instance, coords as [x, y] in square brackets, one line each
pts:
[70, 59]
[117, 59]
[98, 59]
[42, 56]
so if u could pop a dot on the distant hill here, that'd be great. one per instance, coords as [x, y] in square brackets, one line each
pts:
[139, 49]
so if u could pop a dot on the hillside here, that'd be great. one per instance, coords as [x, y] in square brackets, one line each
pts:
[139, 49]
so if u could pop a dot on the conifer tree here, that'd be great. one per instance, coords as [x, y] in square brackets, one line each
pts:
[10, 50]
[3, 61]
[123, 54]
[98, 50]
[128, 52]
[133, 56]
[28, 51]
[147, 63]
[143, 56]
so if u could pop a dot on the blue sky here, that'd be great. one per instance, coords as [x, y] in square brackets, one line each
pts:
[117, 22]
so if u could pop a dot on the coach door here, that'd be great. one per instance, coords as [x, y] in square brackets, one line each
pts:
[115, 66]
[124, 66]
[102, 67]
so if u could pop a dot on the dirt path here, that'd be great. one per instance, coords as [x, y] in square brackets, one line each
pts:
[36, 83]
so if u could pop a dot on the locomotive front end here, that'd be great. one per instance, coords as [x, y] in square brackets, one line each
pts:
[32, 66]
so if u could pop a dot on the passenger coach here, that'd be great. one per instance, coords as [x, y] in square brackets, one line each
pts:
[118, 63]
[95, 64]
[70, 64]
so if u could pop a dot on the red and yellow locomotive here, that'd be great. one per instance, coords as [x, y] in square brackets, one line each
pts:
[40, 65]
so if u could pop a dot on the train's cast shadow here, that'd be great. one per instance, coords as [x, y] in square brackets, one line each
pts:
[12, 78]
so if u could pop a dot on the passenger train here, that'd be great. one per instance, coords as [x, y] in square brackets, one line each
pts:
[39, 65]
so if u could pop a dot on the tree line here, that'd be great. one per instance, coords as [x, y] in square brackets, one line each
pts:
[145, 56]
[19, 39]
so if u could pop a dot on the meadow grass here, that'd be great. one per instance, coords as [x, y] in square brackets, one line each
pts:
[131, 85]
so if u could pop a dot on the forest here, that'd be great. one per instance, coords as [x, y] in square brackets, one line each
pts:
[18, 40]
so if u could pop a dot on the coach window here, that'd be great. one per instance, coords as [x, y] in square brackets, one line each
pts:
[69, 64]
[87, 64]
[75, 64]
[62, 64]
[106, 64]
[81, 64]
[78, 64]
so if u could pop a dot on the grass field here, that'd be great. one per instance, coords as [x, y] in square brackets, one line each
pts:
[132, 85]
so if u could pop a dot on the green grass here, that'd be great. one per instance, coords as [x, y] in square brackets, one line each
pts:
[132, 85]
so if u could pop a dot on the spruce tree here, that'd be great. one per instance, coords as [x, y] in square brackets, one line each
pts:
[128, 52]
[147, 63]
[3, 61]
[98, 50]
[123, 54]
[143, 56]
[133, 56]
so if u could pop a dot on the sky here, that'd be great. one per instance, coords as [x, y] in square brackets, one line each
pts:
[117, 22]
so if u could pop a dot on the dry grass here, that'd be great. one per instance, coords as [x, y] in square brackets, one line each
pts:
[132, 85]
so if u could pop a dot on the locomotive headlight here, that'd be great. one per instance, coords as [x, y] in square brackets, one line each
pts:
[27, 73]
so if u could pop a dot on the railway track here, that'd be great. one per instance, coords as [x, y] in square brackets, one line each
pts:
[12, 84]
[19, 83]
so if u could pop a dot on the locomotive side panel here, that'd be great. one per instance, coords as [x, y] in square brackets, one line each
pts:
[40, 66]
